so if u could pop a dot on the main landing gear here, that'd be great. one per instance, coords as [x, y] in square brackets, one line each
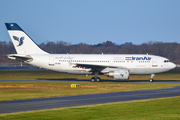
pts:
[95, 78]
[151, 79]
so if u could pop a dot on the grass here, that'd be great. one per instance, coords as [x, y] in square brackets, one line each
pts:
[152, 109]
[28, 90]
[40, 74]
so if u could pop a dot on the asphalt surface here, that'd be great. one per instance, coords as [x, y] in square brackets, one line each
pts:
[79, 100]
[70, 80]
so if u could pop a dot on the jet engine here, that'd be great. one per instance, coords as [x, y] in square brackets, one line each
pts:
[118, 74]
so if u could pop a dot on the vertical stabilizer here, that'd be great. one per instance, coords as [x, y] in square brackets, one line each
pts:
[21, 41]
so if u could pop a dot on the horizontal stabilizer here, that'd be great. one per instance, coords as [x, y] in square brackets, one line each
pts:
[25, 58]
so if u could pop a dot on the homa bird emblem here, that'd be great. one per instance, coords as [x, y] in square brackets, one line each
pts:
[19, 40]
[122, 75]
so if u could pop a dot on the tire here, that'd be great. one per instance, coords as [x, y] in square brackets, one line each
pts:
[93, 79]
[151, 80]
[98, 79]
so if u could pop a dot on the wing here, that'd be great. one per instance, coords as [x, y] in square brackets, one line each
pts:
[98, 67]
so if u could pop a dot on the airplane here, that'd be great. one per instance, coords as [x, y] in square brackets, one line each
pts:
[117, 66]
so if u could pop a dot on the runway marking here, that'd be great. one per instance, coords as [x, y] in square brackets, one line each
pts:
[82, 99]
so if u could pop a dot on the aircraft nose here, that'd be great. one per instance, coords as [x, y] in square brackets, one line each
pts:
[173, 65]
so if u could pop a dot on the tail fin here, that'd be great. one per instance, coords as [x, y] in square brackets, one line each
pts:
[22, 42]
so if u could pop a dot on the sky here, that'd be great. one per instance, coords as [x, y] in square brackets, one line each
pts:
[93, 21]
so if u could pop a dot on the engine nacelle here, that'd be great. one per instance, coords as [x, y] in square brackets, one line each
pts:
[119, 74]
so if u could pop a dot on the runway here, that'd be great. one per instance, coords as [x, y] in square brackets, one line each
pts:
[79, 100]
[70, 80]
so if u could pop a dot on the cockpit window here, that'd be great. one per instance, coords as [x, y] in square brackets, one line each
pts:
[167, 61]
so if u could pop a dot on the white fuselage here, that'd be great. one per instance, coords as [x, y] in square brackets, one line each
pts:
[136, 64]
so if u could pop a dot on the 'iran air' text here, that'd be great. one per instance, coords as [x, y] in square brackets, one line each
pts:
[141, 58]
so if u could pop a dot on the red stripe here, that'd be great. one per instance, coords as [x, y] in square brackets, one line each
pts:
[128, 59]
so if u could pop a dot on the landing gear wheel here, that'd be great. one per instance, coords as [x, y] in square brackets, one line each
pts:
[151, 80]
[93, 79]
[98, 79]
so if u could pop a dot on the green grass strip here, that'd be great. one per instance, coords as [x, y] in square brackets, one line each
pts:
[29, 90]
[152, 109]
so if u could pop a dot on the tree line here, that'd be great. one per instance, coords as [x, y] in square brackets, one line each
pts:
[168, 50]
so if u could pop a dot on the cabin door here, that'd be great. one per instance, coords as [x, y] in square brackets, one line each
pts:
[154, 62]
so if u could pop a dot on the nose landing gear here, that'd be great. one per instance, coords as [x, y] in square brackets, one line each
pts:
[151, 79]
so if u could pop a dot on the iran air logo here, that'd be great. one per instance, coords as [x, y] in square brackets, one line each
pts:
[137, 58]
[19, 40]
